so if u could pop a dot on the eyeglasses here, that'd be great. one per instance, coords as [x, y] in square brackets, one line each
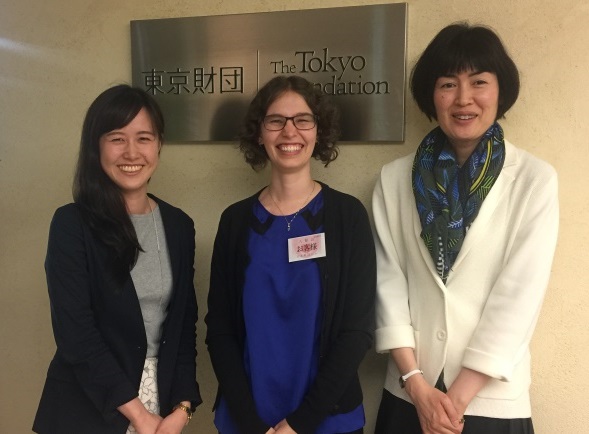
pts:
[301, 122]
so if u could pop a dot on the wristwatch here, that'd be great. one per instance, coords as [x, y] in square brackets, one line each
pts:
[403, 378]
[185, 409]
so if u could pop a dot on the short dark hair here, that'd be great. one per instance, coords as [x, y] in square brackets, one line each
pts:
[319, 103]
[99, 198]
[461, 47]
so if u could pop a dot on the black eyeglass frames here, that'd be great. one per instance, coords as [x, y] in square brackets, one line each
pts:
[305, 121]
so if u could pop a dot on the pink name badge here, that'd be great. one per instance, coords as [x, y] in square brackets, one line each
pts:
[307, 247]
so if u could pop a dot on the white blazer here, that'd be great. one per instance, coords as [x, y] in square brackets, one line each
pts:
[484, 317]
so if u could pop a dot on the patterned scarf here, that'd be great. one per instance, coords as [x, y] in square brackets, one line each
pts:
[449, 197]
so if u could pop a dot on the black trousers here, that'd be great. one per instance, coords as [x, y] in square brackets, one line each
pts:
[397, 416]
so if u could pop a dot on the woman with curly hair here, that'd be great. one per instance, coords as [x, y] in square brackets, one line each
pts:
[293, 278]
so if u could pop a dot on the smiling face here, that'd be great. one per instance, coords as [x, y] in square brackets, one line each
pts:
[289, 149]
[130, 155]
[466, 106]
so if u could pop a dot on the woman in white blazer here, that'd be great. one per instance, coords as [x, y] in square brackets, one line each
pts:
[466, 229]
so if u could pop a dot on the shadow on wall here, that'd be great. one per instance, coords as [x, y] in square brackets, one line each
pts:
[227, 120]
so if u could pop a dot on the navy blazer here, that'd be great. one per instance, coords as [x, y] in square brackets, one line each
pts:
[99, 331]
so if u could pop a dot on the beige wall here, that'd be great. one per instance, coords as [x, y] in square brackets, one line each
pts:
[57, 55]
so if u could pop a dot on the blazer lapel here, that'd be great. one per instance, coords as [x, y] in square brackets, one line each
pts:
[482, 221]
[427, 257]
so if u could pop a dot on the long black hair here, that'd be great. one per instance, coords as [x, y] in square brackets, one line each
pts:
[99, 198]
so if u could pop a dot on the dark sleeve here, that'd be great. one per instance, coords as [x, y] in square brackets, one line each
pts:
[78, 339]
[223, 339]
[184, 385]
[357, 280]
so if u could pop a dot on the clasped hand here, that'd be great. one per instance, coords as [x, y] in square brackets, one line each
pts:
[437, 414]
[281, 428]
[155, 424]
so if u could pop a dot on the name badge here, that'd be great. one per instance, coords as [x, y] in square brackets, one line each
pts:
[307, 247]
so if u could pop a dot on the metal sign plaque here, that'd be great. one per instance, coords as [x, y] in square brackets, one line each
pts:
[204, 71]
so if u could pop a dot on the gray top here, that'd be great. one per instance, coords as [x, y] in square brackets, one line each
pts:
[152, 275]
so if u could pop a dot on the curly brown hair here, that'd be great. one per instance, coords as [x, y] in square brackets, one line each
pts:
[327, 119]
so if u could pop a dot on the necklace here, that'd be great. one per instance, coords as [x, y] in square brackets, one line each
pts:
[288, 223]
[157, 238]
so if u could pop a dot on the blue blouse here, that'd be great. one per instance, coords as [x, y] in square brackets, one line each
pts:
[283, 312]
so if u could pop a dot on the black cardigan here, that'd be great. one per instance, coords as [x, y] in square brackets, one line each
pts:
[348, 281]
[99, 332]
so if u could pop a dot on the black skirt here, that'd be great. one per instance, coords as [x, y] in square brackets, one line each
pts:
[397, 416]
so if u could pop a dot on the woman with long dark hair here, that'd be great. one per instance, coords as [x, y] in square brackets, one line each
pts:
[120, 274]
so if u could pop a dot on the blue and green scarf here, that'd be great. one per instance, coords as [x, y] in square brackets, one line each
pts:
[449, 197]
